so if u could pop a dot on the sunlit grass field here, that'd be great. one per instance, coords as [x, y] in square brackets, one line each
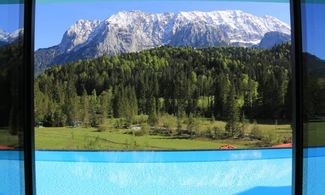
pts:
[89, 138]
[68, 138]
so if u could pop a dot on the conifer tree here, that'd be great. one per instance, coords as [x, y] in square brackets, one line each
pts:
[153, 117]
[84, 108]
[94, 120]
[232, 126]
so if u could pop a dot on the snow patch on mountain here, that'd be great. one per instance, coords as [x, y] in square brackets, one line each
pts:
[8, 38]
[134, 31]
[77, 34]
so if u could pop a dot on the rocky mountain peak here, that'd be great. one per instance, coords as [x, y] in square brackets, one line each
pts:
[134, 31]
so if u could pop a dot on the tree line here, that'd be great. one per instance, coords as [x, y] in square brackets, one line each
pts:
[226, 83]
[12, 87]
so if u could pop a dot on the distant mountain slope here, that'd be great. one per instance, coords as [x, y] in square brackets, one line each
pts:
[274, 38]
[135, 31]
[8, 38]
[313, 64]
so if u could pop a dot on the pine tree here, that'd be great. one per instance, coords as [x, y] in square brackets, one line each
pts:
[94, 120]
[191, 125]
[153, 117]
[70, 107]
[132, 105]
[232, 126]
[41, 105]
[85, 109]
[120, 102]
[223, 86]
[105, 105]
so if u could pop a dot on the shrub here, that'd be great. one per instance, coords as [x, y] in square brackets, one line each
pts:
[161, 131]
[286, 139]
[192, 125]
[217, 133]
[145, 129]
[118, 123]
[139, 119]
[245, 127]
[168, 121]
[269, 139]
[239, 133]
[207, 133]
[256, 132]
[153, 119]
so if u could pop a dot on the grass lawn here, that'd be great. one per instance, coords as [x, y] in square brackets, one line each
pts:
[91, 139]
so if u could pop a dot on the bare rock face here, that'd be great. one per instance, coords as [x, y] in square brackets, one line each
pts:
[274, 38]
[134, 31]
[77, 34]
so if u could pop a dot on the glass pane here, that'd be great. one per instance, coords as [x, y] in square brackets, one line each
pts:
[163, 97]
[313, 13]
[11, 102]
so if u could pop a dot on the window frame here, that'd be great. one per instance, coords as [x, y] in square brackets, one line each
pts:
[29, 145]
[297, 149]
[28, 73]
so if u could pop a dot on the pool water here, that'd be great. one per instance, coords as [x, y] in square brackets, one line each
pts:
[314, 170]
[11, 173]
[193, 172]
[266, 171]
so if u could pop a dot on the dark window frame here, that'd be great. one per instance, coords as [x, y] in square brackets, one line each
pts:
[29, 156]
[297, 166]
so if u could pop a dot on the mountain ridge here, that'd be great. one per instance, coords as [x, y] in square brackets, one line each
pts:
[7, 38]
[273, 38]
[134, 31]
[313, 64]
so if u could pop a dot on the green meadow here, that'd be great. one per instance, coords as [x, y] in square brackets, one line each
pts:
[79, 138]
[142, 137]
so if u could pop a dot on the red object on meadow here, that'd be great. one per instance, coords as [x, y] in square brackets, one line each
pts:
[227, 147]
[288, 145]
[6, 147]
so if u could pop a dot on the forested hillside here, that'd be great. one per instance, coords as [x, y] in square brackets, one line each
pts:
[11, 66]
[227, 83]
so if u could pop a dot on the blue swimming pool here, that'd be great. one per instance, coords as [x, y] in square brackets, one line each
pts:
[183, 172]
[314, 169]
[11, 173]
[266, 171]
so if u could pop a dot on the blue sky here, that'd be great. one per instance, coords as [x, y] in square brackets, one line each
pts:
[53, 19]
[314, 29]
[10, 15]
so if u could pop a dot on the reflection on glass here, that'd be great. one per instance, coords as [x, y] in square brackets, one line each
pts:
[313, 14]
[314, 63]
[151, 78]
[11, 103]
